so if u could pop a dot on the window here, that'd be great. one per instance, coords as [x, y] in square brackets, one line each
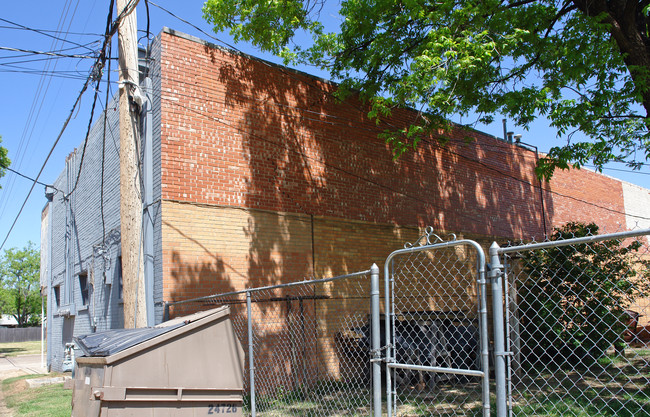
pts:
[83, 287]
[57, 296]
[119, 278]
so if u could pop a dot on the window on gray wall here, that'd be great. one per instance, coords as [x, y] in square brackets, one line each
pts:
[83, 287]
[57, 296]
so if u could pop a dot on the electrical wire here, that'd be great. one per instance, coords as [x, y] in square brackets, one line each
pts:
[619, 170]
[65, 125]
[48, 31]
[59, 75]
[37, 105]
[375, 129]
[28, 178]
[330, 165]
[44, 33]
[505, 146]
[55, 52]
[29, 51]
[101, 193]
[83, 152]
[194, 26]
[110, 31]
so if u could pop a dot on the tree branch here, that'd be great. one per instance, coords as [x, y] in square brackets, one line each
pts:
[519, 3]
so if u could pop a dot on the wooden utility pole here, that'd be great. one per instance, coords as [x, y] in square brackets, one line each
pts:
[130, 190]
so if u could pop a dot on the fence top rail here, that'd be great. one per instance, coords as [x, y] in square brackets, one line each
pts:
[272, 287]
[574, 241]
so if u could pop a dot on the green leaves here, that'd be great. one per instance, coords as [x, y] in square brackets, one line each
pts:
[575, 296]
[562, 60]
[4, 160]
[19, 284]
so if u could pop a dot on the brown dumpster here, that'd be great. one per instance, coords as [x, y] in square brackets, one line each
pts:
[190, 366]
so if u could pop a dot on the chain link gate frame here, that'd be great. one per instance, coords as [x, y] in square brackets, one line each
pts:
[435, 341]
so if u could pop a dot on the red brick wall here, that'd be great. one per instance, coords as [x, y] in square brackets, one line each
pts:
[239, 132]
[243, 134]
[585, 196]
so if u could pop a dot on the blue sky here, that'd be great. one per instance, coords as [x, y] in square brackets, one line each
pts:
[35, 106]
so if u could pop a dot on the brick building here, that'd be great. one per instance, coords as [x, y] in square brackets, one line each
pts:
[258, 176]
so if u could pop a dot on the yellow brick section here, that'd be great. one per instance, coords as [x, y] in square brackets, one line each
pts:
[211, 249]
[216, 249]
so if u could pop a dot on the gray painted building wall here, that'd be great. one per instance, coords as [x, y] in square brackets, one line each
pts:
[82, 240]
[84, 243]
[155, 210]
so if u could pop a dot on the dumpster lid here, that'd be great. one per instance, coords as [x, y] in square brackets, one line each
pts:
[110, 342]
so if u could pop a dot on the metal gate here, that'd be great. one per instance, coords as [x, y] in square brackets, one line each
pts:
[436, 325]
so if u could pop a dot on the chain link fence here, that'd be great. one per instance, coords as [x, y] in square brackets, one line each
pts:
[436, 333]
[310, 345]
[574, 312]
[577, 314]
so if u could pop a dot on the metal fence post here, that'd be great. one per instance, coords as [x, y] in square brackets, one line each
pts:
[376, 340]
[499, 337]
[251, 355]
[388, 322]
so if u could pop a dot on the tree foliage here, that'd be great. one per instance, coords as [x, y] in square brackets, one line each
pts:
[572, 307]
[582, 64]
[20, 285]
[4, 160]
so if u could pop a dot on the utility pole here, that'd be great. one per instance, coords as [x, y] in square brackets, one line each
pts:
[130, 189]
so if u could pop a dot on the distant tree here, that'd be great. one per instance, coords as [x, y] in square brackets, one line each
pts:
[20, 285]
[4, 160]
[572, 306]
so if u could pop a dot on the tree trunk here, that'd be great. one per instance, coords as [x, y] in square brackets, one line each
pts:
[628, 27]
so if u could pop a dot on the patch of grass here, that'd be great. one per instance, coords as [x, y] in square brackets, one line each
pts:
[331, 398]
[20, 348]
[50, 400]
[584, 404]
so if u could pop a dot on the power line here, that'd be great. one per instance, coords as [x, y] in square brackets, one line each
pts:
[425, 141]
[302, 154]
[111, 28]
[83, 152]
[65, 125]
[54, 31]
[41, 32]
[629, 171]
[26, 177]
[29, 51]
[194, 26]
[36, 72]
[504, 146]
[39, 99]
[56, 52]
[101, 193]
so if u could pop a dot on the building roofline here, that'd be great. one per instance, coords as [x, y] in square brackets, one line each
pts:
[229, 50]
[233, 51]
